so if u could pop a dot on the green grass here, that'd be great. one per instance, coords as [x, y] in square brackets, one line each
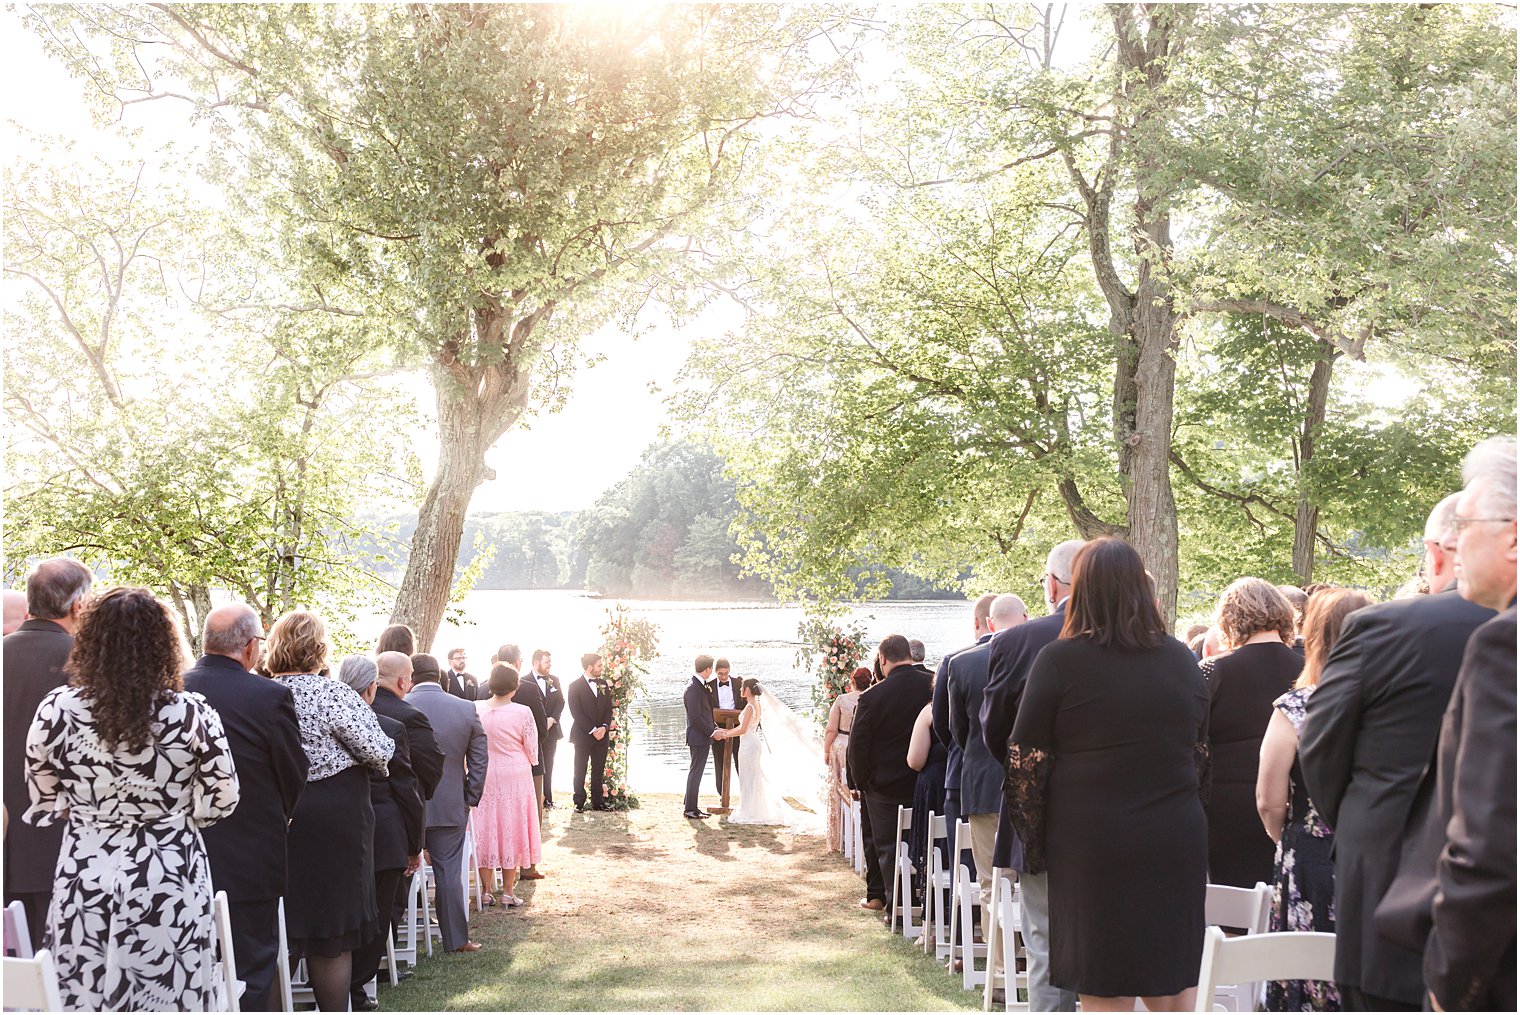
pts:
[646, 911]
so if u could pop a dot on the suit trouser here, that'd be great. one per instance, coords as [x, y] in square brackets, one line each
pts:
[717, 756]
[367, 956]
[953, 813]
[983, 837]
[883, 811]
[539, 782]
[445, 844]
[694, 777]
[594, 753]
[256, 946]
[548, 747]
[1034, 901]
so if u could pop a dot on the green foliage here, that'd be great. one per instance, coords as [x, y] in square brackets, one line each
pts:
[838, 651]
[628, 643]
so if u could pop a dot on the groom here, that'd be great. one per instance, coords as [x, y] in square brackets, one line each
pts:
[700, 731]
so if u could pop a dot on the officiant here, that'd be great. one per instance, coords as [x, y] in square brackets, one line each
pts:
[725, 694]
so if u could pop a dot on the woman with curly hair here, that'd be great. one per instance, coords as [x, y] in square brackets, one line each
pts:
[136, 766]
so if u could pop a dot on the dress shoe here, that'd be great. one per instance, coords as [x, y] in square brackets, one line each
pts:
[531, 874]
[362, 1002]
[580, 808]
[385, 977]
[696, 814]
[606, 807]
[469, 946]
[548, 805]
[874, 905]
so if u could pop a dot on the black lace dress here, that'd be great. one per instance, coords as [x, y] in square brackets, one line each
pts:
[928, 795]
[1106, 770]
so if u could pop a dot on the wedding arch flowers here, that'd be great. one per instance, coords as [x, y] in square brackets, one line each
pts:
[628, 643]
[838, 649]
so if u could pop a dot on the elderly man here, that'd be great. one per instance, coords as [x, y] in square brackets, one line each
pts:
[15, 609]
[247, 848]
[1012, 657]
[1369, 734]
[56, 592]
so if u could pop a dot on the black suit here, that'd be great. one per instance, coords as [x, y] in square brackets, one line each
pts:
[529, 694]
[1369, 732]
[1011, 656]
[719, 748]
[34, 657]
[878, 757]
[427, 759]
[697, 700]
[400, 819]
[554, 708]
[247, 848]
[462, 684]
[590, 711]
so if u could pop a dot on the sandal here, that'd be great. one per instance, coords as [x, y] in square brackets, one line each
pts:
[511, 901]
[487, 900]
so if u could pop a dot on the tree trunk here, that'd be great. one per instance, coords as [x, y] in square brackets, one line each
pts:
[1306, 516]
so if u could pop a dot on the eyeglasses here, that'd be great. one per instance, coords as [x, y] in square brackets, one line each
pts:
[1459, 523]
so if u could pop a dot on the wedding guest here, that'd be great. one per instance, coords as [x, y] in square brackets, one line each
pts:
[130, 924]
[836, 742]
[1257, 624]
[530, 696]
[1104, 790]
[878, 753]
[397, 638]
[462, 683]
[1303, 893]
[591, 708]
[330, 905]
[395, 679]
[247, 848]
[1369, 733]
[33, 664]
[554, 713]
[1299, 601]
[982, 633]
[506, 821]
[926, 756]
[1013, 653]
[916, 650]
[399, 814]
[15, 610]
[465, 757]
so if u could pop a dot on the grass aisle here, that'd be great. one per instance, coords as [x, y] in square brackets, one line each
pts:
[646, 910]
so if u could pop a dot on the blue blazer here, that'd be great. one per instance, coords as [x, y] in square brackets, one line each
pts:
[699, 713]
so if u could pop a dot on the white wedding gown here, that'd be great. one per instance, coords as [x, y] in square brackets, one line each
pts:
[772, 767]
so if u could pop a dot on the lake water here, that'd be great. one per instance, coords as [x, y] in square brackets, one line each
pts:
[759, 640]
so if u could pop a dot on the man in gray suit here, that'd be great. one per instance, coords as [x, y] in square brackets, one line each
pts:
[462, 740]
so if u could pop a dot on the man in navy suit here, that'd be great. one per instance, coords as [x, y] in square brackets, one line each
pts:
[247, 848]
[700, 730]
[940, 712]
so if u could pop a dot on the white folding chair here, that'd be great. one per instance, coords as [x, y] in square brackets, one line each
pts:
[407, 948]
[18, 936]
[859, 834]
[221, 914]
[31, 984]
[965, 902]
[1251, 908]
[285, 975]
[470, 875]
[846, 826]
[902, 875]
[1287, 955]
[425, 909]
[1004, 947]
[937, 934]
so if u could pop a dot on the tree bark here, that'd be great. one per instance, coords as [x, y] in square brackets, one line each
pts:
[1306, 516]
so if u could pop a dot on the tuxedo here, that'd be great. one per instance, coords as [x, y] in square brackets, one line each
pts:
[529, 694]
[713, 689]
[697, 700]
[554, 708]
[591, 708]
[461, 684]
[247, 848]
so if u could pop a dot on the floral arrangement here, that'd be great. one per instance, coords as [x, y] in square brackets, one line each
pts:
[628, 643]
[838, 651]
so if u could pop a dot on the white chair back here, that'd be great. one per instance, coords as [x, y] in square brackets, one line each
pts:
[1288, 955]
[936, 936]
[901, 890]
[32, 984]
[221, 914]
[1251, 908]
[282, 971]
[1003, 944]
[965, 901]
[18, 936]
[860, 837]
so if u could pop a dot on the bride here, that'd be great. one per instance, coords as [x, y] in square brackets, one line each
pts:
[778, 756]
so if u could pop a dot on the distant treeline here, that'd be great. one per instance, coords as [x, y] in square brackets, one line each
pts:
[660, 532]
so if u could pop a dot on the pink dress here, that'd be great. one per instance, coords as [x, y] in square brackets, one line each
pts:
[506, 819]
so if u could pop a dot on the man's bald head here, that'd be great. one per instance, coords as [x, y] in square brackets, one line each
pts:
[1008, 610]
[229, 630]
[15, 609]
[980, 612]
[395, 671]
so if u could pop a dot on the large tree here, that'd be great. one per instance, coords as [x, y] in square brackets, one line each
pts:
[495, 180]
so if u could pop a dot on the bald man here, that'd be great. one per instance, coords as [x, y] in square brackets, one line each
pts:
[15, 609]
[395, 681]
[247, 849]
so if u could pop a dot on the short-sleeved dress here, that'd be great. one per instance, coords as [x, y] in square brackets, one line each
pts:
[834, 830]
[506, 819]
[1106, 767]
[1303, 890]
[130, 923]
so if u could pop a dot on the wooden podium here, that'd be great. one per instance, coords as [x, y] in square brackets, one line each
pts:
[725, 718]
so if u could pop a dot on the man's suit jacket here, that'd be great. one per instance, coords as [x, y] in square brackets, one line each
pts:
[34, 655]
[529, 694]
[981, 775]
[588, 710]
[698, 701]
[940, 712]
[1369, 732]
[462, 739]
[712, 690]
[427, 759]
[247, 848]
[461, 684]
[554, 706]
[400, 811]
[884, 719]
[1010, 657]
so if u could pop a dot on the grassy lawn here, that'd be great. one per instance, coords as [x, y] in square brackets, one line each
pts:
[646, 910]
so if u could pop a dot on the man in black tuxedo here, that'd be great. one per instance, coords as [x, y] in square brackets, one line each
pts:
[554, 711]
[247, 848]
[56, 592]
[723, 692]
[530, 694]
[878, 756]
[1011, 656]
[1369, 734]
[395, 683]
[458, 682]
[591, 708]
[700, 730]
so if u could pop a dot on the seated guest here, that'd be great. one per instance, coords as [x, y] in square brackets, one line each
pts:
[507, 830]
[135, 766]
[1104, 790]
[836, 740]
[928, 757]
[247, 848]
[330, 906]
[1303, 893]
[1257, 624]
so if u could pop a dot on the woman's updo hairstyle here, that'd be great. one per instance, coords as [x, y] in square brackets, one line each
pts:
[753, 687]
[504, 680]
[861, 678]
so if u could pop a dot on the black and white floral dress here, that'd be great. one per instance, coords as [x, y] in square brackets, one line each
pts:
[130, 923]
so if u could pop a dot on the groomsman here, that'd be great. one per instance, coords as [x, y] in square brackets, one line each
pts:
[591, 708]
[725, 694]
[554, 711]
[457, 681]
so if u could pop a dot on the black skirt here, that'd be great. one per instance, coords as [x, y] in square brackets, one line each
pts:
[330, 894]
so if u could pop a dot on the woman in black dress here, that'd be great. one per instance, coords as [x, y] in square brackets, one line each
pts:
[1105, 769]
[1256, 623]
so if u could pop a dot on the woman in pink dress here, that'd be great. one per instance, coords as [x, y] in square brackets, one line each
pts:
[506, 819]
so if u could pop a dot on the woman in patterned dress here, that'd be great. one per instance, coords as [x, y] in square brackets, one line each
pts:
[1303, 891]
[136, 766]
[836, 742]
[506, 819]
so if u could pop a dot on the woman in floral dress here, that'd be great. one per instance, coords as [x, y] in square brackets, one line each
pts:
[136, 766]
[1303, 891]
